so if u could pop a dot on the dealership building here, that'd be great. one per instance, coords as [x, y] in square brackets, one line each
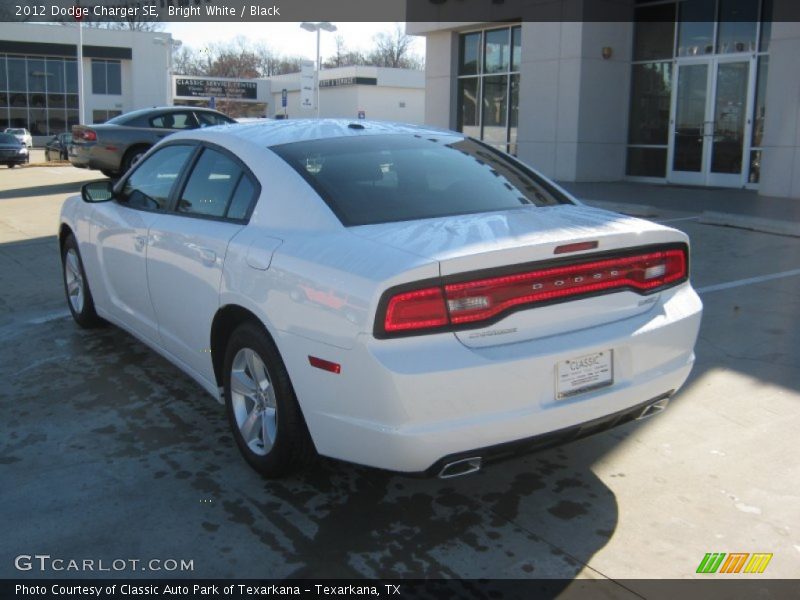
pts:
[378, 93]
[128, 70]
[122, 71]
[692, 92]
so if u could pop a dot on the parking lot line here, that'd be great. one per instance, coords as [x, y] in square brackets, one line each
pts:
[748, 281]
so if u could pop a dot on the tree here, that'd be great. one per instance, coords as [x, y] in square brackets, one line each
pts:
[236, 59]
[131, 24]
[343, 56]
[187, 61]
[392, 49]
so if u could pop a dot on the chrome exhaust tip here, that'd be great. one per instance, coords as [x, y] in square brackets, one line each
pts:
[654, 408]
[457, 468]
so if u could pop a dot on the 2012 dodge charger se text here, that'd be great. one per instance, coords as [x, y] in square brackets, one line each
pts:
[395, 296]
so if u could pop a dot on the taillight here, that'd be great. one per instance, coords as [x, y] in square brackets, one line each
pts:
[476, 302]
[420, 309]
[88, 135]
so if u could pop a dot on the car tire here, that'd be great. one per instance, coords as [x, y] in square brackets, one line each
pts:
[11, 165]
[132, 156]
[76, 286]
[262, 408]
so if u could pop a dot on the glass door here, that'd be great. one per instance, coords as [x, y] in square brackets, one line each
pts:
[711, 113]
[730, 117]
[690, 123]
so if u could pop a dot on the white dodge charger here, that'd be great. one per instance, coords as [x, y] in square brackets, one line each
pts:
[395, 296]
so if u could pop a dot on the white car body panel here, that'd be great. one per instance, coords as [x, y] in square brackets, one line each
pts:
[184, 271]
[315, 285]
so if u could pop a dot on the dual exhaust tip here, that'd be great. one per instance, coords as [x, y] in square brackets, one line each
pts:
[467, 466]
[457, 468]
[653, 408]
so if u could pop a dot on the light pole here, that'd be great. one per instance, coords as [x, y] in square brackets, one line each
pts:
[318, 27]
[81, 96]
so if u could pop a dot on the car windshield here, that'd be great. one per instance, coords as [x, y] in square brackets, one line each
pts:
[7, 138]
[383, 178]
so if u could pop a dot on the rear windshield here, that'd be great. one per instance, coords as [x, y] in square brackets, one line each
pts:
[120, 119]
[382, 178]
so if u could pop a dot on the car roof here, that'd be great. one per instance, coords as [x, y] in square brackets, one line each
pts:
[285, 131]
[163, 109]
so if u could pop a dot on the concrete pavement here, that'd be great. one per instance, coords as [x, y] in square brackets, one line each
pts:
[743, 209]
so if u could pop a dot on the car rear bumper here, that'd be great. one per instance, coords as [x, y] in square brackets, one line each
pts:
[413, 404]
[94, 156]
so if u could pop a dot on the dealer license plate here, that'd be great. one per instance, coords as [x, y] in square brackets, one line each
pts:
[584, 373]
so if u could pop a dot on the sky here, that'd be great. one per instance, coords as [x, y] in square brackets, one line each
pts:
[285, 38]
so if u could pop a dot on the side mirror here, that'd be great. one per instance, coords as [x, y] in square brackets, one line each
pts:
[98, 191]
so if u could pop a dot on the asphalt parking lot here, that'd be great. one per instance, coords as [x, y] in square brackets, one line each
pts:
[109, 452]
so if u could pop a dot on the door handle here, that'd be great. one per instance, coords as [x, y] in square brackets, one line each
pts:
[140, 241]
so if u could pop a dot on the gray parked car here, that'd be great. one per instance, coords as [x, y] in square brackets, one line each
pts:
[12, 151]
[115, 145]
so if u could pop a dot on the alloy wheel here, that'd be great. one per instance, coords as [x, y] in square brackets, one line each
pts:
[74, 280]
[254, 402]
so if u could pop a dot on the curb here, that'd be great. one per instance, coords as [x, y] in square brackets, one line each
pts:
[759, 224]
[632, 210]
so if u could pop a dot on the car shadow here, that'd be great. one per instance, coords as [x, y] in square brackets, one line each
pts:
[141, 451]
[72, 187]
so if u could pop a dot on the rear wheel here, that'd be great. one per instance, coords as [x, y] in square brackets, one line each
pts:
[133, 156]
[11, 165]
[262, 407]
[79, 298]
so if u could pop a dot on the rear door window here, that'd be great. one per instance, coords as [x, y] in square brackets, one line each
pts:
[174, 120]
[206, 119]
[210, 186]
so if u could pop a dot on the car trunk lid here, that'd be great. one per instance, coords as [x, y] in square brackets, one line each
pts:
[491, 245]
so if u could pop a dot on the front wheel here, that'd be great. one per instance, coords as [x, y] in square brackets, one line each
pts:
[262, 407]
[79, 298]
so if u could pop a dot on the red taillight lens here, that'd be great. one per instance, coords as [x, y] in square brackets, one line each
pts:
[468, 303]
[486, 298]
[89, 135]
[420, 309]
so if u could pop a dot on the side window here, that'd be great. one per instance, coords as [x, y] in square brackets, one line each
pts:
[174, 120]
[210, 186]
[242, 198]
[210, 119]
[149, 186]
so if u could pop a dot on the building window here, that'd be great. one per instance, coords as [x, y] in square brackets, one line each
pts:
[38, 93]
[669, 37]
[107, 77]
[487, 104]
[101, 116]
[648, 121]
